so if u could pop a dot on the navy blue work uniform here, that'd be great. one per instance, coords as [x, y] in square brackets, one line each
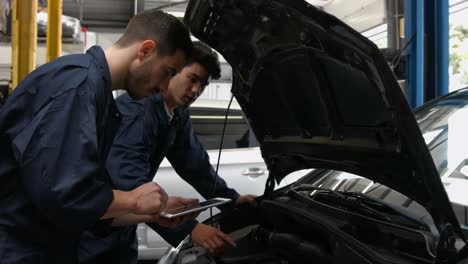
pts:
[56, 129]
[144, 138]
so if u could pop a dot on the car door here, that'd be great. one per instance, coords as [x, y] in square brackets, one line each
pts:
[241, 166]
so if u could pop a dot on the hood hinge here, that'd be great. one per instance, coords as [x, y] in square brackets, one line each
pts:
[446, 251]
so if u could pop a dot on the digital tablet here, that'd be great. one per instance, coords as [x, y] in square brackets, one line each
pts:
[193, 208]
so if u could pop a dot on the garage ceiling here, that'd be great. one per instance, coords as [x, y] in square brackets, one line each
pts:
[100, 13]
[169, 6]
[361, 14]
[115, 13]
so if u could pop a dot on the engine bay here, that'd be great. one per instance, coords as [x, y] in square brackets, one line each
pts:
[297, 227]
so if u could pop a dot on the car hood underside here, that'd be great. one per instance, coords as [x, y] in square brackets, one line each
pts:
[317, 94]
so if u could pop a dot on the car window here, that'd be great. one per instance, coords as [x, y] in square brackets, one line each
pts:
[208, 126]
[444, 129]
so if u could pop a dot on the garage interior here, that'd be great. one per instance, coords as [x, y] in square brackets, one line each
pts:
[425, 43]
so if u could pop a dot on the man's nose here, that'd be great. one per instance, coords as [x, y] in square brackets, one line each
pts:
[196, 89]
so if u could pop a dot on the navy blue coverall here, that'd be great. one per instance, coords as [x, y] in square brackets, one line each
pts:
[144, 138]
[56, 130]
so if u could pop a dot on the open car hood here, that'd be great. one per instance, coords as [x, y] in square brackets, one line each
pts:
[317, 94]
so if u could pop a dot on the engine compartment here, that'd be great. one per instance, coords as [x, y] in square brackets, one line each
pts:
[259, 245]
[289, 229]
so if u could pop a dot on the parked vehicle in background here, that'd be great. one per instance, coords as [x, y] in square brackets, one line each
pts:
[241, 164]
[5, 16]
[71, 27]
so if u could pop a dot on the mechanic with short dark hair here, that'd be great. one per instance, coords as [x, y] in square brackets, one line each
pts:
[158, 127]
[56, 130]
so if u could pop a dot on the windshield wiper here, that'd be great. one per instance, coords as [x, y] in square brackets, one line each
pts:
[350, 202]
[367, 205]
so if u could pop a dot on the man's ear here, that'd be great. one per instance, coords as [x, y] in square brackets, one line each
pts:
[146, 49]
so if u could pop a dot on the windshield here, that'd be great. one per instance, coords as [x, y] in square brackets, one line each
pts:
[444, 125]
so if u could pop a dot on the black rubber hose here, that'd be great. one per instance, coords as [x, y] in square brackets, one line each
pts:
[295, 246]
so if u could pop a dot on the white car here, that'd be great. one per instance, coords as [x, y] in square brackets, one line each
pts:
[71, 27]
[240, 157]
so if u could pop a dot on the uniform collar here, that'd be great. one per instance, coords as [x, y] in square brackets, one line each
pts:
[98, 54]
[159, 106]
[170, 114]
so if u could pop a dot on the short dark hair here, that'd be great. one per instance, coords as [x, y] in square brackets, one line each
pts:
[206, 57]
[166, 30]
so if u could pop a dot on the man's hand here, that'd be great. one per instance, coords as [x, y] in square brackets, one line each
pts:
[175, 201]
[172, 203]
[211, 238]
[249, 198]
[149, 199]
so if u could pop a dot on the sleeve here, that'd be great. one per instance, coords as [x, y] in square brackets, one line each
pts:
[174, 236]
[128, 160]
[60, 166]
[191, 161]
